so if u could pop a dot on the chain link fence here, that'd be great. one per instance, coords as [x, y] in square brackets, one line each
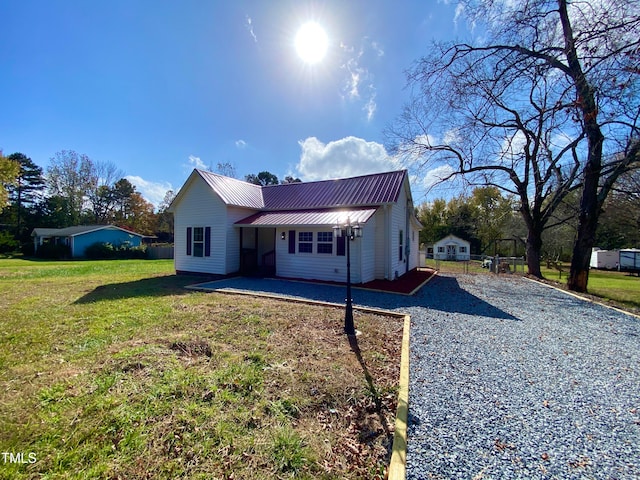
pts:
[480, 264]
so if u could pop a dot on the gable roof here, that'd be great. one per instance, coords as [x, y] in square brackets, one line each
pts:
[233, 191]
[361, 191]
[76, 230]
[453, 239]
[364, 190]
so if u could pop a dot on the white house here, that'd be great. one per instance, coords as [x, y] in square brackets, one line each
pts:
[451, 248]
[224, 226]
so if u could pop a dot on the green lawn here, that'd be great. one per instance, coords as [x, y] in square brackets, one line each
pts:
[113, 370]
[618, 287]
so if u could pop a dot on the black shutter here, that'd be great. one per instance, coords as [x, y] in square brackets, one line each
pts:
[207, 241]
[341, 245]
[188, 240]
[292, 241]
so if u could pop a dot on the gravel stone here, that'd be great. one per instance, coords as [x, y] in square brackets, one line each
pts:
[509, 378]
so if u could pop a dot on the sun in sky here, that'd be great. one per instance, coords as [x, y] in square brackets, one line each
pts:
[311, 42]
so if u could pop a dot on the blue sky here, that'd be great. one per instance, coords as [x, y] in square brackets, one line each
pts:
[160, 87]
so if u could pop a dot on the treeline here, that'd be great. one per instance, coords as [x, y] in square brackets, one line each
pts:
[74, 190]
[493, 223]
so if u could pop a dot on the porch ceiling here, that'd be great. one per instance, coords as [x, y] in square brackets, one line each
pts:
[317, 217]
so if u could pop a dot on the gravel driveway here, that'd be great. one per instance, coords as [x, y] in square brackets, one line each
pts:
[510, 379]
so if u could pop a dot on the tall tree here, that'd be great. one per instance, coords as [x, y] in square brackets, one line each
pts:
[491, 212]
[227, 169]
[101, 190]
[9, 170]
[538, 108]
[30, 182]
[164, 227]
[139, 215]
[291, 179]
[121, 193]
[70, 176]
[262, 178]
[433, 218]
[27, 190]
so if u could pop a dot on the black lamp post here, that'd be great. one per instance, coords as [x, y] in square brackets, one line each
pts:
[351, 232]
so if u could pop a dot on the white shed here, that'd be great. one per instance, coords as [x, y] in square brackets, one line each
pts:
[452, 248]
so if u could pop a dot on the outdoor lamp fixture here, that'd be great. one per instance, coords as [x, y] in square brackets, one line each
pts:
[351, 232]
[283, 236]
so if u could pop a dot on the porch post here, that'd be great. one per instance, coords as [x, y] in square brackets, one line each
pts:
[240, 251]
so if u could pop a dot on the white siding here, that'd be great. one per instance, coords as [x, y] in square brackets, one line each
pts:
[454, 242]
[200, 207]
[398, 223]
[368, 247]
[315, 266]
[414, 255]
[381, 243]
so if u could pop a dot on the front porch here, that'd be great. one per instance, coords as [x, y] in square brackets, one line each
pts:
[257, 251]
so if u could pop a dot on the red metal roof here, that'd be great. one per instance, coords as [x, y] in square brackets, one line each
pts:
[319, 217]
[234, 192]
[366, 190]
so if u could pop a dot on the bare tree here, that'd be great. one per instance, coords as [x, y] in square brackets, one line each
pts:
[534, 109]
[102, 201]
[69, 176]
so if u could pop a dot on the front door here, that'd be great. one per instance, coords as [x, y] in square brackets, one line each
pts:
[451, 252]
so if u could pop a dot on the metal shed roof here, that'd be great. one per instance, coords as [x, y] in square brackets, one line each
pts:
[318, 217]
[76, 230]
[365, 190]
[233, 191]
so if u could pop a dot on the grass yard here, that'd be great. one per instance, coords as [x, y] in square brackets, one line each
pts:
[113, 370]
[620, 288]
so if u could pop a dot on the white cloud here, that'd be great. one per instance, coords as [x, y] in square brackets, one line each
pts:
[195, 162]
[376, 46]
[513, 147]
[241, 144]
[152, 192]
[435, 176]
[459, 13]
[347, 157]
[249, 26]
[359, 86]
[371, 107]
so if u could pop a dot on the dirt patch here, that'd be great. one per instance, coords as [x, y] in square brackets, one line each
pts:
[192, 348]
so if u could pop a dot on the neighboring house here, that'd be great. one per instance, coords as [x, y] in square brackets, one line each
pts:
[224, 226]
[451, 248]
[78, 238]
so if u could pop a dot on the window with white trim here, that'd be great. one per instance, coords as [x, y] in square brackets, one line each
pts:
[325, 242]
[305, 242]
